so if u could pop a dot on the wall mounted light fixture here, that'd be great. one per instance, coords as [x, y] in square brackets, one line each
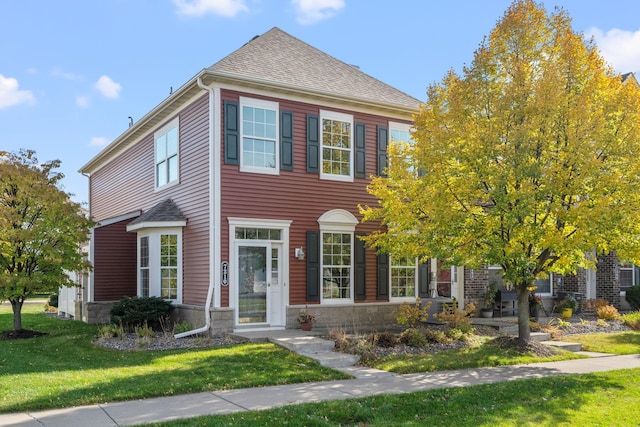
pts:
[299, 253]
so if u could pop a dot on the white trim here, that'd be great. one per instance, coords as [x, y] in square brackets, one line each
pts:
[416, 283]
[278, 224]
[342, 117]
[215, 195]
[404, 127]
[267, 105]
[169, 126]
[155, 286]
[118, 218]
[338, 220]
[156, 224]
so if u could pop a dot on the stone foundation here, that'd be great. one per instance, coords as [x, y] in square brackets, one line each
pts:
[221, 318]
[361, 317]
[96, 312]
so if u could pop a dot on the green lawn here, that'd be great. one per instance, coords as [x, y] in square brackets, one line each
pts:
[602, 399]
[66, 369]
[481, 354]
[616, 343]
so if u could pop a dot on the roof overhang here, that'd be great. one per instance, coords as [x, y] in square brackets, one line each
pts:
[156, 224]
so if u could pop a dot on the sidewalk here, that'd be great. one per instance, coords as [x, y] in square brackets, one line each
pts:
[368, 382]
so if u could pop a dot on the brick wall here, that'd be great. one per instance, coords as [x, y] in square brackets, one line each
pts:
[608, 278]
[475, 285]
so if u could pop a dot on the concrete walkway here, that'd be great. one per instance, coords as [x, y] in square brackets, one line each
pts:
[368, 382]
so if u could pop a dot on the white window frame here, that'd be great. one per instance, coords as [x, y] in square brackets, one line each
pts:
[267, 105]
[163, 131]
[155, 285]
[342, 222]
[634, 275]
[415, 281]
[342, 117]
[402, 127]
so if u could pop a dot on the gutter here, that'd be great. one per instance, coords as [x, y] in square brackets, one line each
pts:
[212, 222]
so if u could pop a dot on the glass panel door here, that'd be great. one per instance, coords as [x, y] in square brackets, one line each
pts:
[252, 284]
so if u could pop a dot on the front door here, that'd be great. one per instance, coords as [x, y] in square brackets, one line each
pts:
[259, 283]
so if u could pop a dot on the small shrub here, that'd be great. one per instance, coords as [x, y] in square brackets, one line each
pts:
[132, 312]
[339, 337]
[385, 339]
[438, 337]
[633, 297]
[608, 312]
[411, 315]
[413, 338]
[632, 320]
[563, 323]
[144, 331]
[602, 322]
[592, 305]
[182, 327]
[110, 331]
[454, 318]
[53, 301]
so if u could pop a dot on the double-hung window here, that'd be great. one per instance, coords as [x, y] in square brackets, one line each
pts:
[337, 272]
[401, 132]
[259, 130]
[403, 277]
[336, 132]
[166, 154]
[628, 276]
[160, 263]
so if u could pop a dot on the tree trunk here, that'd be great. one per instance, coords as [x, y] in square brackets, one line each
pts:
[524, 332]
[16, 305]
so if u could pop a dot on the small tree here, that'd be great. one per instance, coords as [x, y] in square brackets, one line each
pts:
[529, 160]
[40, 230]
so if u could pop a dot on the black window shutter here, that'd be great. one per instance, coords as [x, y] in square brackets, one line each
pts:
[423, 280]
[383, 277]
[313, 266]
[360, 167]
[231, 133]
[313, 143]
[383, 142]
[286, 140]
[360, 268]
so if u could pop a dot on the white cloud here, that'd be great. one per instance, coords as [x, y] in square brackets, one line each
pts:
[82, 101]
[311, 11]
[620, 48]
[108, 87]
[10, 94]
[58, 72]
[226, 8]
[98, 141]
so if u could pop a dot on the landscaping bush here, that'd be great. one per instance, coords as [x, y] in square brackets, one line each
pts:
[454, 318]
[608, 312]
[633, 297]
[137, 312]
[437, 337]
[53, 301]
[413, 338]
[632, 320]
[411, 315]
[592, 305]
[386, 340]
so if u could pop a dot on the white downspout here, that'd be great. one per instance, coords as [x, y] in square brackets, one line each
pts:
[213, 270]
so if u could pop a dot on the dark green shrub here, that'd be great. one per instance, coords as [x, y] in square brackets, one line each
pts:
[413, 338]
[386, 340]
[137, 312]
[633, 297]
[53, 301]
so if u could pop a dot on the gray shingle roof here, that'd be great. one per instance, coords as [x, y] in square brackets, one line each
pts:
[164, 211]
[281, 58]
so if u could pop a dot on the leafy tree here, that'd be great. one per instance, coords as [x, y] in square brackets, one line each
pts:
[40, 230]
[527, 160]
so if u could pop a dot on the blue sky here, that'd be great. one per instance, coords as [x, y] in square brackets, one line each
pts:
[73, 71]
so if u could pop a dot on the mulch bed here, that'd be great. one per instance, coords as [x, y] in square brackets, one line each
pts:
[20, 335]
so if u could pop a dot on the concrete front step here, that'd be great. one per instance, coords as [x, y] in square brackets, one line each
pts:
[540, 336]
[333, 359]
[569, 346]
[304, 344]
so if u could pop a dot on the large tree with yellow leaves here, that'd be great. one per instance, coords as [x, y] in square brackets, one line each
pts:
[40, 230]
[530, 159]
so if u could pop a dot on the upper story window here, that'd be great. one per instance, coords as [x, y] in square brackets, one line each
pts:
[336, 145]
[401, 132]
[166, 149]
[259, 133]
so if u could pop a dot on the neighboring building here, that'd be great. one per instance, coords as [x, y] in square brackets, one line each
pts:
[238, 197]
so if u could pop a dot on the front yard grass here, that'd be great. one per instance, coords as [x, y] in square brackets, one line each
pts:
[66, 369]
[481, 353]
[615, 343]
[601, 399]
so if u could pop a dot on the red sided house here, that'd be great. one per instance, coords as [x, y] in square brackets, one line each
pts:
[237, 198]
